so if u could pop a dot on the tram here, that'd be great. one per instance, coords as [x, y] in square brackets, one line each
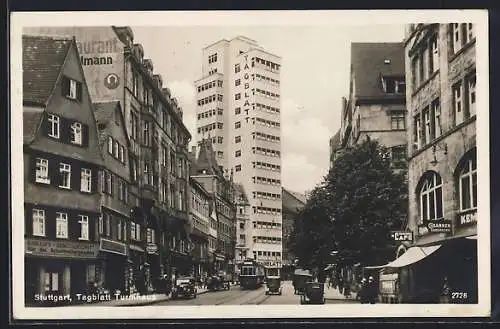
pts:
[251, 274]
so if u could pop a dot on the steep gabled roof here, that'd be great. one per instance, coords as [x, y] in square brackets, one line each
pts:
[105, 112]
[32, 118]
[368, 65]
[206, 159]
[43, 58]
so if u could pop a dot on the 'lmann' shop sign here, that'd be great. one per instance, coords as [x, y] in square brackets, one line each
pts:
[467, 218]
[63, 249]
[99, 50]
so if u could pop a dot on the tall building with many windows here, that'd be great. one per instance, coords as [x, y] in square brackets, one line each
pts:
[239, 110]
[442, 165]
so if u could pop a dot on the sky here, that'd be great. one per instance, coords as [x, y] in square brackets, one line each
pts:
[314, 78]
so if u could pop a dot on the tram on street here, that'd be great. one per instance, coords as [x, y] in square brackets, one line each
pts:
[251, 274]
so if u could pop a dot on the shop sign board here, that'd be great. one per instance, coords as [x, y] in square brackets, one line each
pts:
[435, 226]
[151, 248]
[62, 249]
[467, 218]
[114, 247]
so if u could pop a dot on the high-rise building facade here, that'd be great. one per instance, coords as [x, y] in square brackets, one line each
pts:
[239, 110]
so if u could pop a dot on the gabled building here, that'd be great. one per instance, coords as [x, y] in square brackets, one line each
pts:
[116, 203]
[62, 159]
[158, 153]
[243, 225]
[210, 175]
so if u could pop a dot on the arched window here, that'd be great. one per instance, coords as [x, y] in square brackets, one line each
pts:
[431, 198]
[467, 185]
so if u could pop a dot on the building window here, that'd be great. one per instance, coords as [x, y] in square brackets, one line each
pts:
[61, 225]
[84, 227]
[135, 83]
[110, 145]
[122, 153]
[237, 110]
[237, 96]
[146, 133]
[468, 185]
[431, 198]
[389, 85]
[72, 88]
[417, 133]
[212, 58]
[86, 180]
[134, 130]
[76, 133]
[471, 95]
[109, 183]
[38, 222]
[146, 173]
[237, 68]
[220, 139]
[237, 82]
[237, 139]
[397, 120]
[469, 32]
[436, 109]
[398, 155]
[237, 168]
[64, 175]
[414, 75]
[434, 54]
[457, 103]
[237, 153]
[427, 132]
[54, 125]
[42, 171]
[237, 125]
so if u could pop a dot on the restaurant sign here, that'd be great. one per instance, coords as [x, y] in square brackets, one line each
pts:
[467, 218]
[62, 249]
[402, 236]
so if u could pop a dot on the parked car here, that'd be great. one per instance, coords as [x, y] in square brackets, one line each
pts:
[184, 287]
[313, 293]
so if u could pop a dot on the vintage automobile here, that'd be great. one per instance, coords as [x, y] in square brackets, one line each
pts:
[314, 293]
[273, 285]
[300, 277]
[185, 287]
[217, 282]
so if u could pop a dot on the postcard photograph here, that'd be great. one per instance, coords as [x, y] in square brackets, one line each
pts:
[250, 164]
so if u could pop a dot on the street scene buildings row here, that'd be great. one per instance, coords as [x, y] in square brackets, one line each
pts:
[418, 98]
[114, 200]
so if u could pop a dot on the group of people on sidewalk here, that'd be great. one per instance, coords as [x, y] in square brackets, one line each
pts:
[366, 290]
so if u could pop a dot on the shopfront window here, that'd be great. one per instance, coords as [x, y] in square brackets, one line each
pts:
[467, 185]
[431, 197]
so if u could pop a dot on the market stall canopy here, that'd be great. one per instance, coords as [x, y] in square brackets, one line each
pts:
[412, 255]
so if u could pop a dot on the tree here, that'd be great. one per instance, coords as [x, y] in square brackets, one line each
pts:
[352, 211]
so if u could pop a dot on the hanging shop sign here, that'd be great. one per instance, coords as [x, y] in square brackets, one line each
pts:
[113, 247]
[151, 248]
[435, 226]
[63, 249]
[402, 236]
[467, 218]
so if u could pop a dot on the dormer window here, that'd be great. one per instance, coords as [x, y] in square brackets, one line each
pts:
[393, 86]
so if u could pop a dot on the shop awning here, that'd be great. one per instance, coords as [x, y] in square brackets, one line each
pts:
[411, 256]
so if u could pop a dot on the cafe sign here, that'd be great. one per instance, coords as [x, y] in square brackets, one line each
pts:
[61, 249]
[402, 236]
[467, 218]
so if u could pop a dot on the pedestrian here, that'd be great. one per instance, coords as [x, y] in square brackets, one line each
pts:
[347, 290]
[363, 291]
[445, 292]
[372, 290]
